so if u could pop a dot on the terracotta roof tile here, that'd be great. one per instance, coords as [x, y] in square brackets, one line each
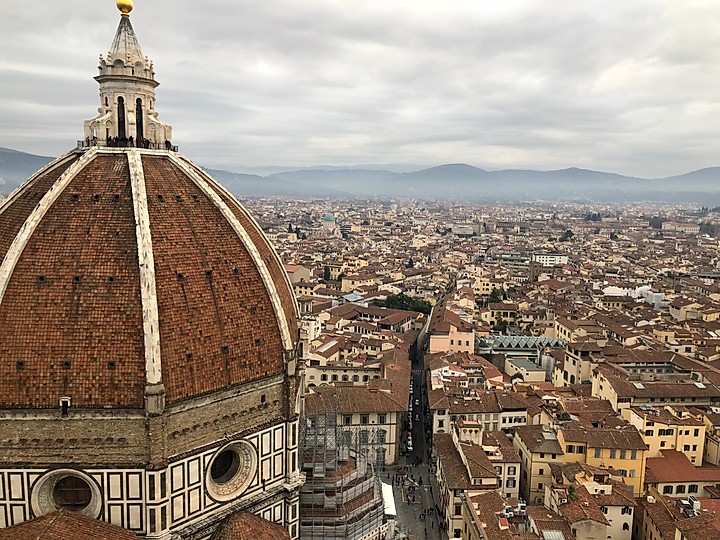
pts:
[76, 284]
[65, 525]
[349, 400]
[674, 466]
[247, 526]
[212, 302]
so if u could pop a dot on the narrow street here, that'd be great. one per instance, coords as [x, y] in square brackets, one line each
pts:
[416, 491]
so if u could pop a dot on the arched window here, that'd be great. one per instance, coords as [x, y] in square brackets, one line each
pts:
[139, 134]
[121, 118]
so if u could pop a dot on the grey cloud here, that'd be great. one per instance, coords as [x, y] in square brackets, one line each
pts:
[627, 86]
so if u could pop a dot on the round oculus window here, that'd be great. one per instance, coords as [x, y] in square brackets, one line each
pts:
[72, 493]
[66, 489]
[225, 466]
[231, 471]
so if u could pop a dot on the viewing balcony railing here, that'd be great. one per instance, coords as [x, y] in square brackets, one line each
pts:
[127, 143]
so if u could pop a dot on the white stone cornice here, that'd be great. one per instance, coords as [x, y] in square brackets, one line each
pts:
[28, 228]
[146, 260]
[188, 168]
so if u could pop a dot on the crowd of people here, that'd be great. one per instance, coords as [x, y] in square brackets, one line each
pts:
[128, 142]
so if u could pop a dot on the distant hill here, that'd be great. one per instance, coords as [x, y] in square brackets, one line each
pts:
[457, 181]
[701, 180]
[338, 182]
[16, 167]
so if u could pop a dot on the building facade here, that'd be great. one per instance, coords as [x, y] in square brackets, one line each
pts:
[150, 333]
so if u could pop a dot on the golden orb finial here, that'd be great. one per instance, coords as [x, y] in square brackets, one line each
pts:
[125, 6]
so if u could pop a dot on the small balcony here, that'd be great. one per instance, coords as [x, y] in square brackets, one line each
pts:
[126, 143]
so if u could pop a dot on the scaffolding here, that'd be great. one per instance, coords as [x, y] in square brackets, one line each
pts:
[342, 496]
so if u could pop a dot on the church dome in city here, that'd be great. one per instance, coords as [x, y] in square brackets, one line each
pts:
[126, 265]
[148, 331]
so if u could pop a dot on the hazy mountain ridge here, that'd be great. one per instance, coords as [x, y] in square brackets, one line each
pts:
[451, 181]
[16, 167]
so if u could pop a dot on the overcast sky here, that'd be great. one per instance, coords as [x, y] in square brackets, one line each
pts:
[627, 86]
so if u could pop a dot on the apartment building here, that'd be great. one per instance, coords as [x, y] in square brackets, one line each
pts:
[668, 428]
[620, 449]
[538, 447]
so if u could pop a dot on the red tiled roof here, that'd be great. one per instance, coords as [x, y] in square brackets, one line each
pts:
[65, 525]
[247, 526]
[674, 466]
[76, 284]
[349, 400]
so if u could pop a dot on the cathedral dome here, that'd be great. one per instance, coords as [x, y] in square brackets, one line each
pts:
[148, 334]
[125, 267]
[133, 267]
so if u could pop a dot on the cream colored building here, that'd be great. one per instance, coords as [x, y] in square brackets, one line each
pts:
[712, 438]
[667, 429]
[448, 332]
[463, 470]
[483, 286]
[594, 506]
[672, 474]
[622, 450]
[538, 447]
[298, 273]
[625, 387]
[576, 368]
[572, 331]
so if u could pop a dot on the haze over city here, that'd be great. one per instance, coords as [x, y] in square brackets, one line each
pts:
[626, 87]
[369, 311]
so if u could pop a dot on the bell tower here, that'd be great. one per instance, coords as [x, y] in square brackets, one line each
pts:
[127, 115]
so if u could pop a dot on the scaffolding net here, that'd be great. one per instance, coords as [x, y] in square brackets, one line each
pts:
[342, 496]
